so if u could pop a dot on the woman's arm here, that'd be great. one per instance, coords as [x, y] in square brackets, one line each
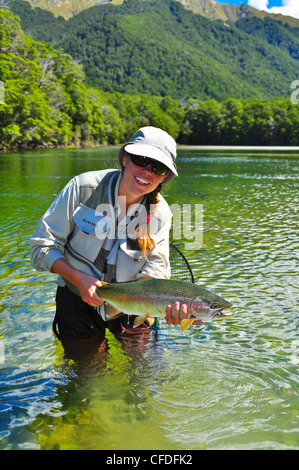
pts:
[52, 231]
[86, 284]
[50, 237]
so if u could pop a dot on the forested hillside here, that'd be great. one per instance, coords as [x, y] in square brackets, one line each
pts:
[272, 32]
[159, 48]
[48, 102]
[214, 10]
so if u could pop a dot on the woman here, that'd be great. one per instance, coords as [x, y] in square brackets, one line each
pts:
[113, 226]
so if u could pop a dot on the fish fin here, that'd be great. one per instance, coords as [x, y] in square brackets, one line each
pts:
[185, 324]
[150, 320]
[140, 319]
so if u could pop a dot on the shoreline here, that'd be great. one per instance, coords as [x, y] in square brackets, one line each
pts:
[279, 150]
[240, 148]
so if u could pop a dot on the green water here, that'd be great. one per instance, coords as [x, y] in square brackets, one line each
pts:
[232, 384]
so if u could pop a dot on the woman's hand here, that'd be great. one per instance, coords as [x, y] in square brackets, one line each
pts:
[178, 312]
[86, 284]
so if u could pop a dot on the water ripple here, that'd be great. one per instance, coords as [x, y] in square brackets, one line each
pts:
[229, 384]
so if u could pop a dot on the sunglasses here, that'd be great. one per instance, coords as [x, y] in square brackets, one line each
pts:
[157, 167]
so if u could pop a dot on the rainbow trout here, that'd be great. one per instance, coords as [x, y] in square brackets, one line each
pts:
[150, 297]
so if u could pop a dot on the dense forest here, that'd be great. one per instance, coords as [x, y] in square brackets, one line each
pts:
[48, 102]
[158, 47]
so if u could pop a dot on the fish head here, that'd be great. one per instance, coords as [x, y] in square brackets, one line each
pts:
[210, 308]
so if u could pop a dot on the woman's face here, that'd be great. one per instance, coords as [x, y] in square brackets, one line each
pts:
[138, 181]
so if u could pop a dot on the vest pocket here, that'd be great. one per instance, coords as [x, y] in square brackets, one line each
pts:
[91, 230]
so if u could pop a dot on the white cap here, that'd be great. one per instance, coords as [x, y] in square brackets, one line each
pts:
[154, 143]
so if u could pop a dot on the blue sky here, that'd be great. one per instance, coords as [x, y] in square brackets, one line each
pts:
[284, 7]
[271, 3]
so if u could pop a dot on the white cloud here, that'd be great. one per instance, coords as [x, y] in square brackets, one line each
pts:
[258, 4]
[288, 8]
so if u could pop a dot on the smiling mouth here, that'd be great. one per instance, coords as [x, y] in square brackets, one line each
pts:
[141, 180]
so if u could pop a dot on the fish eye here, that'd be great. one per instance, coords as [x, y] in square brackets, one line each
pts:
[214, 305]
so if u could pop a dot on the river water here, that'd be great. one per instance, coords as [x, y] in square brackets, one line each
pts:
[231, 384]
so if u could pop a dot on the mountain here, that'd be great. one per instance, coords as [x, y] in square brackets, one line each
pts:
[48, 104]
[159, 47]
[232, 13]
[65, 8]
[209, 8]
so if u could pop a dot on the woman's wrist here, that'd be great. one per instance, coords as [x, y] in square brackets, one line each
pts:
[64, 269]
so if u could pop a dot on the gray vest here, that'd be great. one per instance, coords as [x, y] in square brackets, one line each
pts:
[92, 240]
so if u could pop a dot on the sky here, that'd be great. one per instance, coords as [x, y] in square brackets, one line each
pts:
[284, 7]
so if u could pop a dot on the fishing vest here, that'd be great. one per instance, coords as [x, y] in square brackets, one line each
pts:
[93, 246]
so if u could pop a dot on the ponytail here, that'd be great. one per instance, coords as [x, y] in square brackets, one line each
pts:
[145, 241]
